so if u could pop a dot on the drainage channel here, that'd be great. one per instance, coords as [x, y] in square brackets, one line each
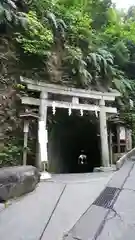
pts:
[107, 198]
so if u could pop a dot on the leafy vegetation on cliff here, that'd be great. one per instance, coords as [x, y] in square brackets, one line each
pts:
[81, 43]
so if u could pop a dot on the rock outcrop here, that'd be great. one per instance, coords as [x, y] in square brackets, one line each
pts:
[16, 181]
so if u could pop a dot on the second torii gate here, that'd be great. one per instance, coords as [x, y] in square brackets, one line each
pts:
[75, 94]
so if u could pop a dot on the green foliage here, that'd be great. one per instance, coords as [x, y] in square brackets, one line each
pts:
[69, 32]
[87, 38]
[80, 23]
[100, 63]
[9, 14]
[19, 86]
[122, 85]
[78, 66]
[57, 26]
[37, 39]
[120, 52]
[11, 155]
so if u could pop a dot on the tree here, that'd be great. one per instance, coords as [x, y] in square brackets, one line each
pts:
[80, 53]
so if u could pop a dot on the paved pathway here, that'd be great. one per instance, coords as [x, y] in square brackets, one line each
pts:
[112, 216]
[53, 208]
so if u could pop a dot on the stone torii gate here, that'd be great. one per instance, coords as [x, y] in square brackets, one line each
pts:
[75, 94]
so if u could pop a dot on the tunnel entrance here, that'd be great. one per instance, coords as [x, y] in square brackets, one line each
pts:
[69, 135]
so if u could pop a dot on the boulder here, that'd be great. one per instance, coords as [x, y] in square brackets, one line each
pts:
[16, 181]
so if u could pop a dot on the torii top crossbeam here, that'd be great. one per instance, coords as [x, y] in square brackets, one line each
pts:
[74, 92]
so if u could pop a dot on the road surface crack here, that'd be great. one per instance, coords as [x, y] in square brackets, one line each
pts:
[52, 212]
[129, 189]
[116, 214]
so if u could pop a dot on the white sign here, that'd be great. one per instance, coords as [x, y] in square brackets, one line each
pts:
[42, 138]
[43, 152]
[122, 133]
[129, 139]
[42, 133]
[26, 127]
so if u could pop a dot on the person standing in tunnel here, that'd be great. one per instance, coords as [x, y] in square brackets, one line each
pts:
[82, 161]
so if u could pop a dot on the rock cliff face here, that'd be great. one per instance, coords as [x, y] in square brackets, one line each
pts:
[16, 181]
[7, 109]
[10, 127]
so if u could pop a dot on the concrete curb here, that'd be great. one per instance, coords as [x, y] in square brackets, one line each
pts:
[105, 169]
[121, 161]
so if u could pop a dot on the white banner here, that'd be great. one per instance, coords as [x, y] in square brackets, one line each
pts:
[42, 138]
[122, 133]
[129, 139]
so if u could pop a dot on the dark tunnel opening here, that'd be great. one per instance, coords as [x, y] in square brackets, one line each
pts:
[67, 137]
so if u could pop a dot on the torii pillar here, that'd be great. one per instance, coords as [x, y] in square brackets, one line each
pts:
[104, 135]
[42, 131]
